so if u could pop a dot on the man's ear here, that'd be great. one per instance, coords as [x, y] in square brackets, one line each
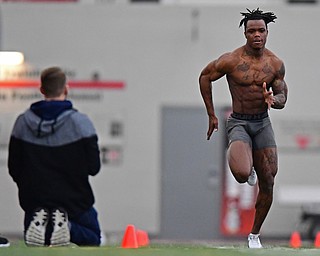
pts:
[41, 90]
[66, 90]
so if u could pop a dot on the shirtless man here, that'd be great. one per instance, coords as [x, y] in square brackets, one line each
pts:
[255, 77]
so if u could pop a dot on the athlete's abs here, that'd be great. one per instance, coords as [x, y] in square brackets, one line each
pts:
[247, 99]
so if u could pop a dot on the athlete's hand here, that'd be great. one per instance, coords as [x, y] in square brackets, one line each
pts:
[268, 95]
[213, 126]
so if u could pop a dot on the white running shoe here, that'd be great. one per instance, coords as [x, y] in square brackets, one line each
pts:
[61, 233]
[103, 239]
[4, 242]
[254, 241]
[35, 234]
[252, 179]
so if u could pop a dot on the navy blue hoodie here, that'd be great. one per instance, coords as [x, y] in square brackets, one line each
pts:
[52, 151]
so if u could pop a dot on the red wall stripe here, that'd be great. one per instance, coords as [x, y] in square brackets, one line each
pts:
[72, 84]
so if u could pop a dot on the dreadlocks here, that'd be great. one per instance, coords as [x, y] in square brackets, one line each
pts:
[257, 15]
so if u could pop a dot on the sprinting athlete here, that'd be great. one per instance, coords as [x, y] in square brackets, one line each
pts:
[255, 76]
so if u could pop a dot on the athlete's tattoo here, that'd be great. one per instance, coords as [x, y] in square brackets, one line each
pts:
[244, 67]
[281, 71]
[271, 159]
[267, 69]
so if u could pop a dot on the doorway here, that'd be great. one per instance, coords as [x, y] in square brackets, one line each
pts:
[192, 170]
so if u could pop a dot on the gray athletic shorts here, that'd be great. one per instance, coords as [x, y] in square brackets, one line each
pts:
[253, 129]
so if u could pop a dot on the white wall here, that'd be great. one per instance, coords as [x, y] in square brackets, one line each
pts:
[158, 51]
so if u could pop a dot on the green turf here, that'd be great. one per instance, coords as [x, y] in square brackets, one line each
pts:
[19, 249]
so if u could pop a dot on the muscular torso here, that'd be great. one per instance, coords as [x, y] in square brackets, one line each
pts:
[245, 77]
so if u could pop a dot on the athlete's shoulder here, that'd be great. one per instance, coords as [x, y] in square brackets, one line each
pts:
[273, 57]
[229, 59]
[231, 56]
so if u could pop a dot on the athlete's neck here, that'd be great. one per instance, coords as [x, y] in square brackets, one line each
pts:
[254, 53]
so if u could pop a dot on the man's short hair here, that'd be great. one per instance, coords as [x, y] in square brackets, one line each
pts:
[53, 81]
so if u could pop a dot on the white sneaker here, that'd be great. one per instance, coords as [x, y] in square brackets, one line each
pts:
[254, 241]
[103, 239]
[61, 233]
[252, 179]
[35, 234]
[4, 242]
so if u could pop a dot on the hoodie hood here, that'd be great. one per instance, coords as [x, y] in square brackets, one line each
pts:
[49, 110]
[45, 117]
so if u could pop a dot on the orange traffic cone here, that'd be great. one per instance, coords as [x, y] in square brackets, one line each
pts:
[317, 241]
[295, 240]
[143, 238]
[130, 238]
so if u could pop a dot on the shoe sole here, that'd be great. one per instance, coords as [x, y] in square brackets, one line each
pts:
[61, 233]
[35, 234]
[35, 237]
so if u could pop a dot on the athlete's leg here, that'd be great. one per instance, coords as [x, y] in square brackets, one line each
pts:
[240, 161]
[265, 162]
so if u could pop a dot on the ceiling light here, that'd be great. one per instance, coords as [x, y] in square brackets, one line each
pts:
[11, 58]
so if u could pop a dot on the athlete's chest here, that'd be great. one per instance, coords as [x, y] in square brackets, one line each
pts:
[252, 72]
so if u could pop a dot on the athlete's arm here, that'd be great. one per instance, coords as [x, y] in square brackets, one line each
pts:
[210, 73]
[279, 89]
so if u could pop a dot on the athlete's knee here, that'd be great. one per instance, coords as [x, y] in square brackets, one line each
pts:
[241, 176]
[266, 183]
